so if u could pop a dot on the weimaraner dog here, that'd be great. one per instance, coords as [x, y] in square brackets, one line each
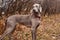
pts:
[32, 21]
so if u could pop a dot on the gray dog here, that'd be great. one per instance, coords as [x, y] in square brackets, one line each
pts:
[32, 21]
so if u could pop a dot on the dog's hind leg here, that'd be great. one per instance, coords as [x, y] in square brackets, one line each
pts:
[10, 27]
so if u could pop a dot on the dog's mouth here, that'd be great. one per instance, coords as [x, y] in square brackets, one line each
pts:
[37, 14]
[38, 17]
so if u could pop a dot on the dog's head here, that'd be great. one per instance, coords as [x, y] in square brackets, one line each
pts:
[37, 9]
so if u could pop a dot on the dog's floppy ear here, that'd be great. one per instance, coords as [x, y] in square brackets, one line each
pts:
[40, 8]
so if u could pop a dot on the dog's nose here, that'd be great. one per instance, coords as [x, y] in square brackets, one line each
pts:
[33, 10]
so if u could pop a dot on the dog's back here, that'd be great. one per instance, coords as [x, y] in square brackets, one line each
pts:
[23, 19]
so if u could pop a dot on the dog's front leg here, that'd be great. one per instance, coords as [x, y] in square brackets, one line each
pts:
[33, 30]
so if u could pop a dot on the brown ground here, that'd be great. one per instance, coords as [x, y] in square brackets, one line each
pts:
[49, 29]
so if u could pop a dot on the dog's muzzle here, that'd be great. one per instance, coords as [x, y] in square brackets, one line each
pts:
[35, 9]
